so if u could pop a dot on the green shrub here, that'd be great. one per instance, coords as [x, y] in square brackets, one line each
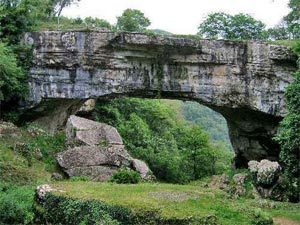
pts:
[125, 176]
[67, 211]
[16, 205]
[11, 75]
[261, 218]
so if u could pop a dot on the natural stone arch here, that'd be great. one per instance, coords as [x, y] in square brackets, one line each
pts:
[244, 81]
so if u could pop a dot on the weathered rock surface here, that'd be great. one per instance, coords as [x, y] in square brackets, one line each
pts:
[267, 179]
[95, 150]
[9, 130]
[143, 169]
[220, 181]
[244, 81]
[81, 130]
[239, 184]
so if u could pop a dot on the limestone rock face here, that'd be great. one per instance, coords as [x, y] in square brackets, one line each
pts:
[244, 81]
[96, 150]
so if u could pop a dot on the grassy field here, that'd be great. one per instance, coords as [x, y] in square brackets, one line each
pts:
[179, 201]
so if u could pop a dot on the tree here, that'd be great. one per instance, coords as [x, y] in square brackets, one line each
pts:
[225, 26]
[11, 75]
[293, 18]
[132, 20]
[97, 23]
[279, 32]
[16, 18]
[58, 5]
[289, 136]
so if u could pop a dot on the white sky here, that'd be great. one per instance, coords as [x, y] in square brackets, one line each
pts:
[180, 16]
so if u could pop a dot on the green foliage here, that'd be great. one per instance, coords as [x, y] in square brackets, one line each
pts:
[19, 16]
[56, 6]
[16, 205]
[132, 20]
[261, 218]
[156, 132]
[279, 32]
[61, 210]
[30, 157]
[80, 178]
[225, 26]
[293, 18]
[11, 75]
[211, 121]
[96, 22]
[125, 176]
[289, 136]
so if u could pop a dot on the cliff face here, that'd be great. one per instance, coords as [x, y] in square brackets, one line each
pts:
[245, 81]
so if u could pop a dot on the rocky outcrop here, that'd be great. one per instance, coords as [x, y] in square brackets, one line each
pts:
[95, 150]
[266, 179]
[244, 81]
[9, 130]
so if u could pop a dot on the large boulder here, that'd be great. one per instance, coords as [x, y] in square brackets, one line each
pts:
[96, 150]
[266, 179]
[265, 172]
[81, 131]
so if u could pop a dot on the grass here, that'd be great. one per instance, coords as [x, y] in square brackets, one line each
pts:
[179, 201]
[33, 164]
[289, 43]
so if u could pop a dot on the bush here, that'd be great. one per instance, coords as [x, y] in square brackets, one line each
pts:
[261, 218]
[68, 211]
[62, 210]
[11, 75]
[16, 205]
[125, 176]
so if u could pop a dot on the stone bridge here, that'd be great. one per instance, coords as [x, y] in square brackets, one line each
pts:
[244, 81]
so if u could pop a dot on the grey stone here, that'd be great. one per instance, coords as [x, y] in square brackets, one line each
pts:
[266, 173]
[56, 176]
[81, 130]
[141, 167]
[266, 177]
[84, 156]
[239, 184]
[244, 81]
[8, 129]
[95, 150]
[220, 182]
[96, 173]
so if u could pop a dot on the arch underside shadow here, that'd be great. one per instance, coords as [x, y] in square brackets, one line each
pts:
[251, 132]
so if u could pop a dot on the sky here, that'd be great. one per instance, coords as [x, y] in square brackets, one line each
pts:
[180, 16]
